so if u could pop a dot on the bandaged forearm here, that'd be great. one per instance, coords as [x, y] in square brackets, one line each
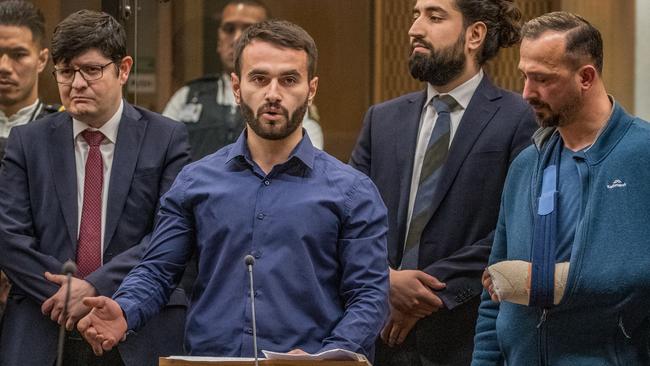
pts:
[511, 281]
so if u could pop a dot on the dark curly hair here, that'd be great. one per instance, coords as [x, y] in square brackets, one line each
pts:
[502, 19]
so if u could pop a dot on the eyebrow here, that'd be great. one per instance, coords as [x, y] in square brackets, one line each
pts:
[431, 9]
[10, 49]
[292, 72]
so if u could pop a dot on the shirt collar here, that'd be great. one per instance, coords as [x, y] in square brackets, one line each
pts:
[109, 129]
[462, 93]
[304, 151]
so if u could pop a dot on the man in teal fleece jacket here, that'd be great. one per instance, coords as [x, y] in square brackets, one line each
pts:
[580, 194]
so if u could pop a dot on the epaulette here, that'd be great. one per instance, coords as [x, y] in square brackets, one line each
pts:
[53, 108]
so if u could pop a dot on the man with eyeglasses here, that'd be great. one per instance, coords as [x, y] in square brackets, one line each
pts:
[207, 105]
[84, 185]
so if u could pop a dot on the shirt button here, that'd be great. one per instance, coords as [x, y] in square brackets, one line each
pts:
[266, 182]
[257, 254]
[249, 330]
[260, 216]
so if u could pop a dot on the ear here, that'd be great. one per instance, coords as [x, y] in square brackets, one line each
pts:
[236, 87]
[587, 75]
[125, 69]
[43, 56]
[313, 85]
[474, 36]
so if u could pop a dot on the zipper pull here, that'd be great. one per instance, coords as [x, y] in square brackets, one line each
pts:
[542, 318]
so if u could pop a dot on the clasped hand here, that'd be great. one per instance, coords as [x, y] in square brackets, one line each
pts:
[53, 307]
[412, 297]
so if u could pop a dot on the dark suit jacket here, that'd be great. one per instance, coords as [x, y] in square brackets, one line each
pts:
[455, 245]
[38, 226]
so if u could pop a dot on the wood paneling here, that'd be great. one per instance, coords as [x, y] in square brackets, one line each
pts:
[342, 30]
[616, 21]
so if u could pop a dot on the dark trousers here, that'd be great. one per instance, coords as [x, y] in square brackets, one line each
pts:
[405, 354]
[77, 352]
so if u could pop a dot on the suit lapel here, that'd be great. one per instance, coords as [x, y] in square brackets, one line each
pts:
[480, 111]
[406, 136]
[64, 171]
[127, 149]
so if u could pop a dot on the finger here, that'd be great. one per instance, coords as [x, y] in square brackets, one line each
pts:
[69, 324]
[421, 313]
[108, 344]
[97, 349]
[58, 279]
[83, 324]
[94, 302]
[56, 313]
[394, 333]
[385, 333]
[90, 334]
[428, 301]
[46, 308]
[401, 336]
[430, 281]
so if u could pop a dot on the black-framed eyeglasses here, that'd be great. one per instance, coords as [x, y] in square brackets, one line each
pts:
[66, 75]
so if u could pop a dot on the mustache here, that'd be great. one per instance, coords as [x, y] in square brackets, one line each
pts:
[537, 103]
[421, 42]
[276, 108]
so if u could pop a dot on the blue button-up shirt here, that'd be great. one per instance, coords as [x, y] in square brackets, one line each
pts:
[317, 229]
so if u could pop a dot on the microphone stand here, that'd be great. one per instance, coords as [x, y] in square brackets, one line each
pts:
[69, 268]
[249, 260]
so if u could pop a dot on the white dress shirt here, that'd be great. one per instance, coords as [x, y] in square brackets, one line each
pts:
[462, 94]
[107, 148]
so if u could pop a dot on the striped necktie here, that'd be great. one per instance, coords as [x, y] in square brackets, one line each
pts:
[434, 160]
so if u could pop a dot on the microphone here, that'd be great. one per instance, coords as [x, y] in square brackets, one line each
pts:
[68, 269]
[249, 261]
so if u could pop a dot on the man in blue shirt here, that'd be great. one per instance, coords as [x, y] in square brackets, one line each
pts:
[316, 227]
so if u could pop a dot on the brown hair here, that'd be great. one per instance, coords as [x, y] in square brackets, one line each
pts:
[582, 38]
[280, 33]
[88, 29]
[502, 19]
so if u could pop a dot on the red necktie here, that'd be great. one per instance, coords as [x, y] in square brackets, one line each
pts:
[89, 248]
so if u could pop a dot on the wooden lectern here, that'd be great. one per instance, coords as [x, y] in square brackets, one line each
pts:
[163, 361]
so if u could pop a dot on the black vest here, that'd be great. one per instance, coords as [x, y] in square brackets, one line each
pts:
[217, 125]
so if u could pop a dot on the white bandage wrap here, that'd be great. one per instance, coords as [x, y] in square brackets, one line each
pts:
[511, 281]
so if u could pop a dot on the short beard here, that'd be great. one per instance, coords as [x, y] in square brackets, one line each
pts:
[560, 118]
[253, 120]
[440, 67]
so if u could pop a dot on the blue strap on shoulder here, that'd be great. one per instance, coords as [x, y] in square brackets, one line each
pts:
[545, 235]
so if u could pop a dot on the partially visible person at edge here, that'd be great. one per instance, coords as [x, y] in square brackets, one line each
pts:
[23, 57]
[439, 158]
[316, 228]
[579, 196]
[207, 105]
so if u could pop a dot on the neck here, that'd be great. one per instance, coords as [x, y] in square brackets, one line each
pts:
[587, 122]
[10, 110]
[269, 153]
[471, 69]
